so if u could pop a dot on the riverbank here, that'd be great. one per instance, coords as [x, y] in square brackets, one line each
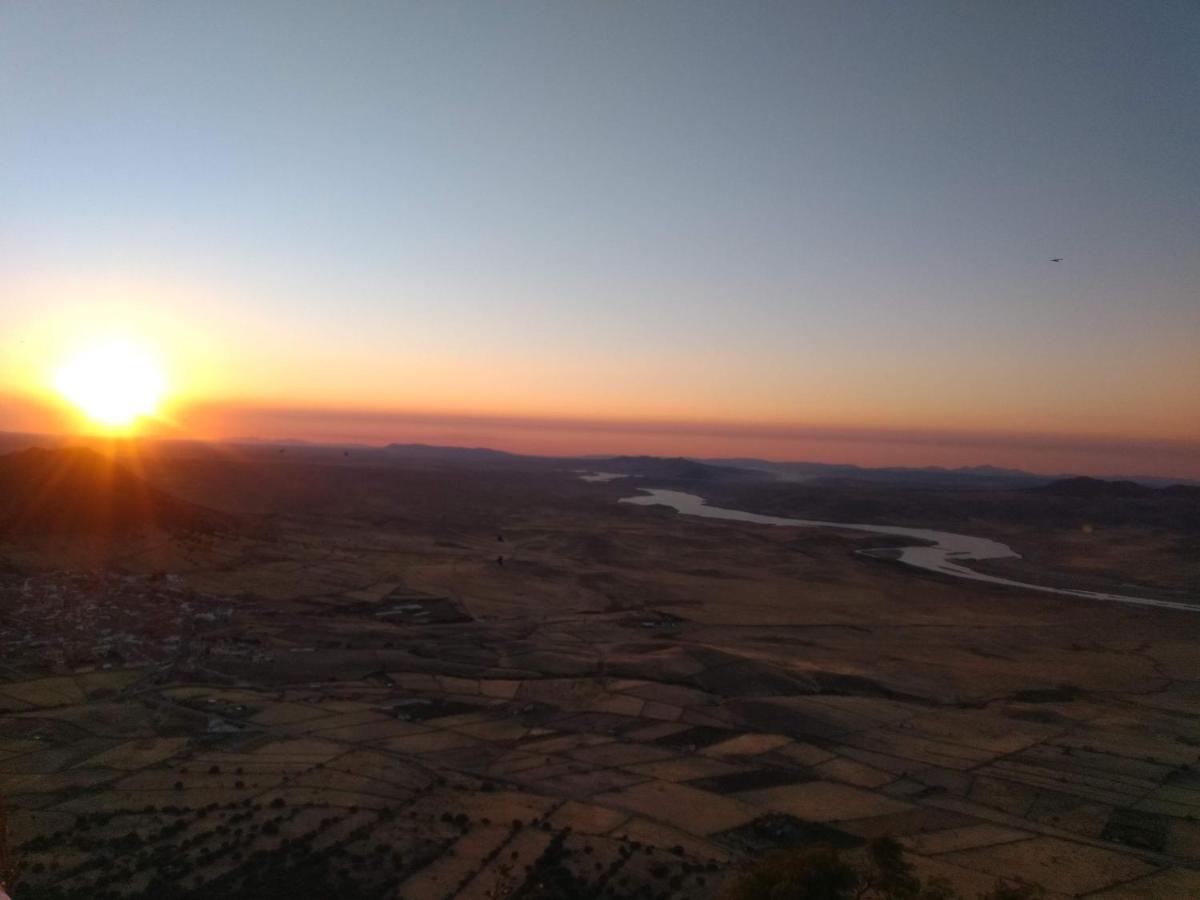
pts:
[940, 552]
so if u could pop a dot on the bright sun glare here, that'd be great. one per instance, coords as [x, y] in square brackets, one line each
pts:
[114, 383]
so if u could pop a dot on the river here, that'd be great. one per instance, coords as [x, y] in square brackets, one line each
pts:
[944, 553]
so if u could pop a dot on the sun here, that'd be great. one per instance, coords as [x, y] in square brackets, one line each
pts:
[113, 382]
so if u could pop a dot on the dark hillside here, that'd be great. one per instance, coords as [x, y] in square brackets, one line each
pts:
[80, 491]
[1083, 486]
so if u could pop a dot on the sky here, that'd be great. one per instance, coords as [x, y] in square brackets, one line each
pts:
[793, 230]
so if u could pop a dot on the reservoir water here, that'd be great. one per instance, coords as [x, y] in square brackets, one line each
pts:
[944, 552]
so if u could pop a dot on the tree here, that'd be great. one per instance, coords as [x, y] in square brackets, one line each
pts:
[821, 873]
[815, 874]
[887, 875]
[1006, 891]
[10, 861]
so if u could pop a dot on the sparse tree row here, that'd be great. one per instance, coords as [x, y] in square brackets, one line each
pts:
[822, 873]
[174, 862]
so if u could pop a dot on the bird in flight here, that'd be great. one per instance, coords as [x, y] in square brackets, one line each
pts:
[1060, 259]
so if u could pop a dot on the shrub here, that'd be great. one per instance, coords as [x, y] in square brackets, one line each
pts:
[816, 874]
[821, 873]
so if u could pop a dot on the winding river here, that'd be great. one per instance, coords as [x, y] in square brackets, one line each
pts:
[945, 553]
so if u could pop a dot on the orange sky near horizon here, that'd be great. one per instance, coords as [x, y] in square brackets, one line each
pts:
[234, 372]
[228, 379]
[574, 436]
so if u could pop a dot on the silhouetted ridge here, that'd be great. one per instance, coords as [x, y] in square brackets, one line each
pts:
[1184, 491]
[458, 454]
[79, 491]
[936, 477]
[675, 468]
[1095, 487]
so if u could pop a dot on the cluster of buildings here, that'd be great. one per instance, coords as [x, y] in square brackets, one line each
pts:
[62, 622]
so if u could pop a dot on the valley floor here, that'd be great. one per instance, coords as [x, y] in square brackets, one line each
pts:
[629, 704]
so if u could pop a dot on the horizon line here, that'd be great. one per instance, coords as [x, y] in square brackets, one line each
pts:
[250, 440]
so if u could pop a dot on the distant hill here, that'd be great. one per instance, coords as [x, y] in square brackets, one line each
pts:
[966, 477]
[79, 491]
[928, 476]
[672, 468]
[450, 454]
[1185, 491]
[1099, 487]
[354, 454]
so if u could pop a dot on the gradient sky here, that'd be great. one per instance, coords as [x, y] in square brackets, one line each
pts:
[763, 228]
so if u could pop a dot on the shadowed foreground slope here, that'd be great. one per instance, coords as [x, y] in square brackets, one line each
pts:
[79, 491]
